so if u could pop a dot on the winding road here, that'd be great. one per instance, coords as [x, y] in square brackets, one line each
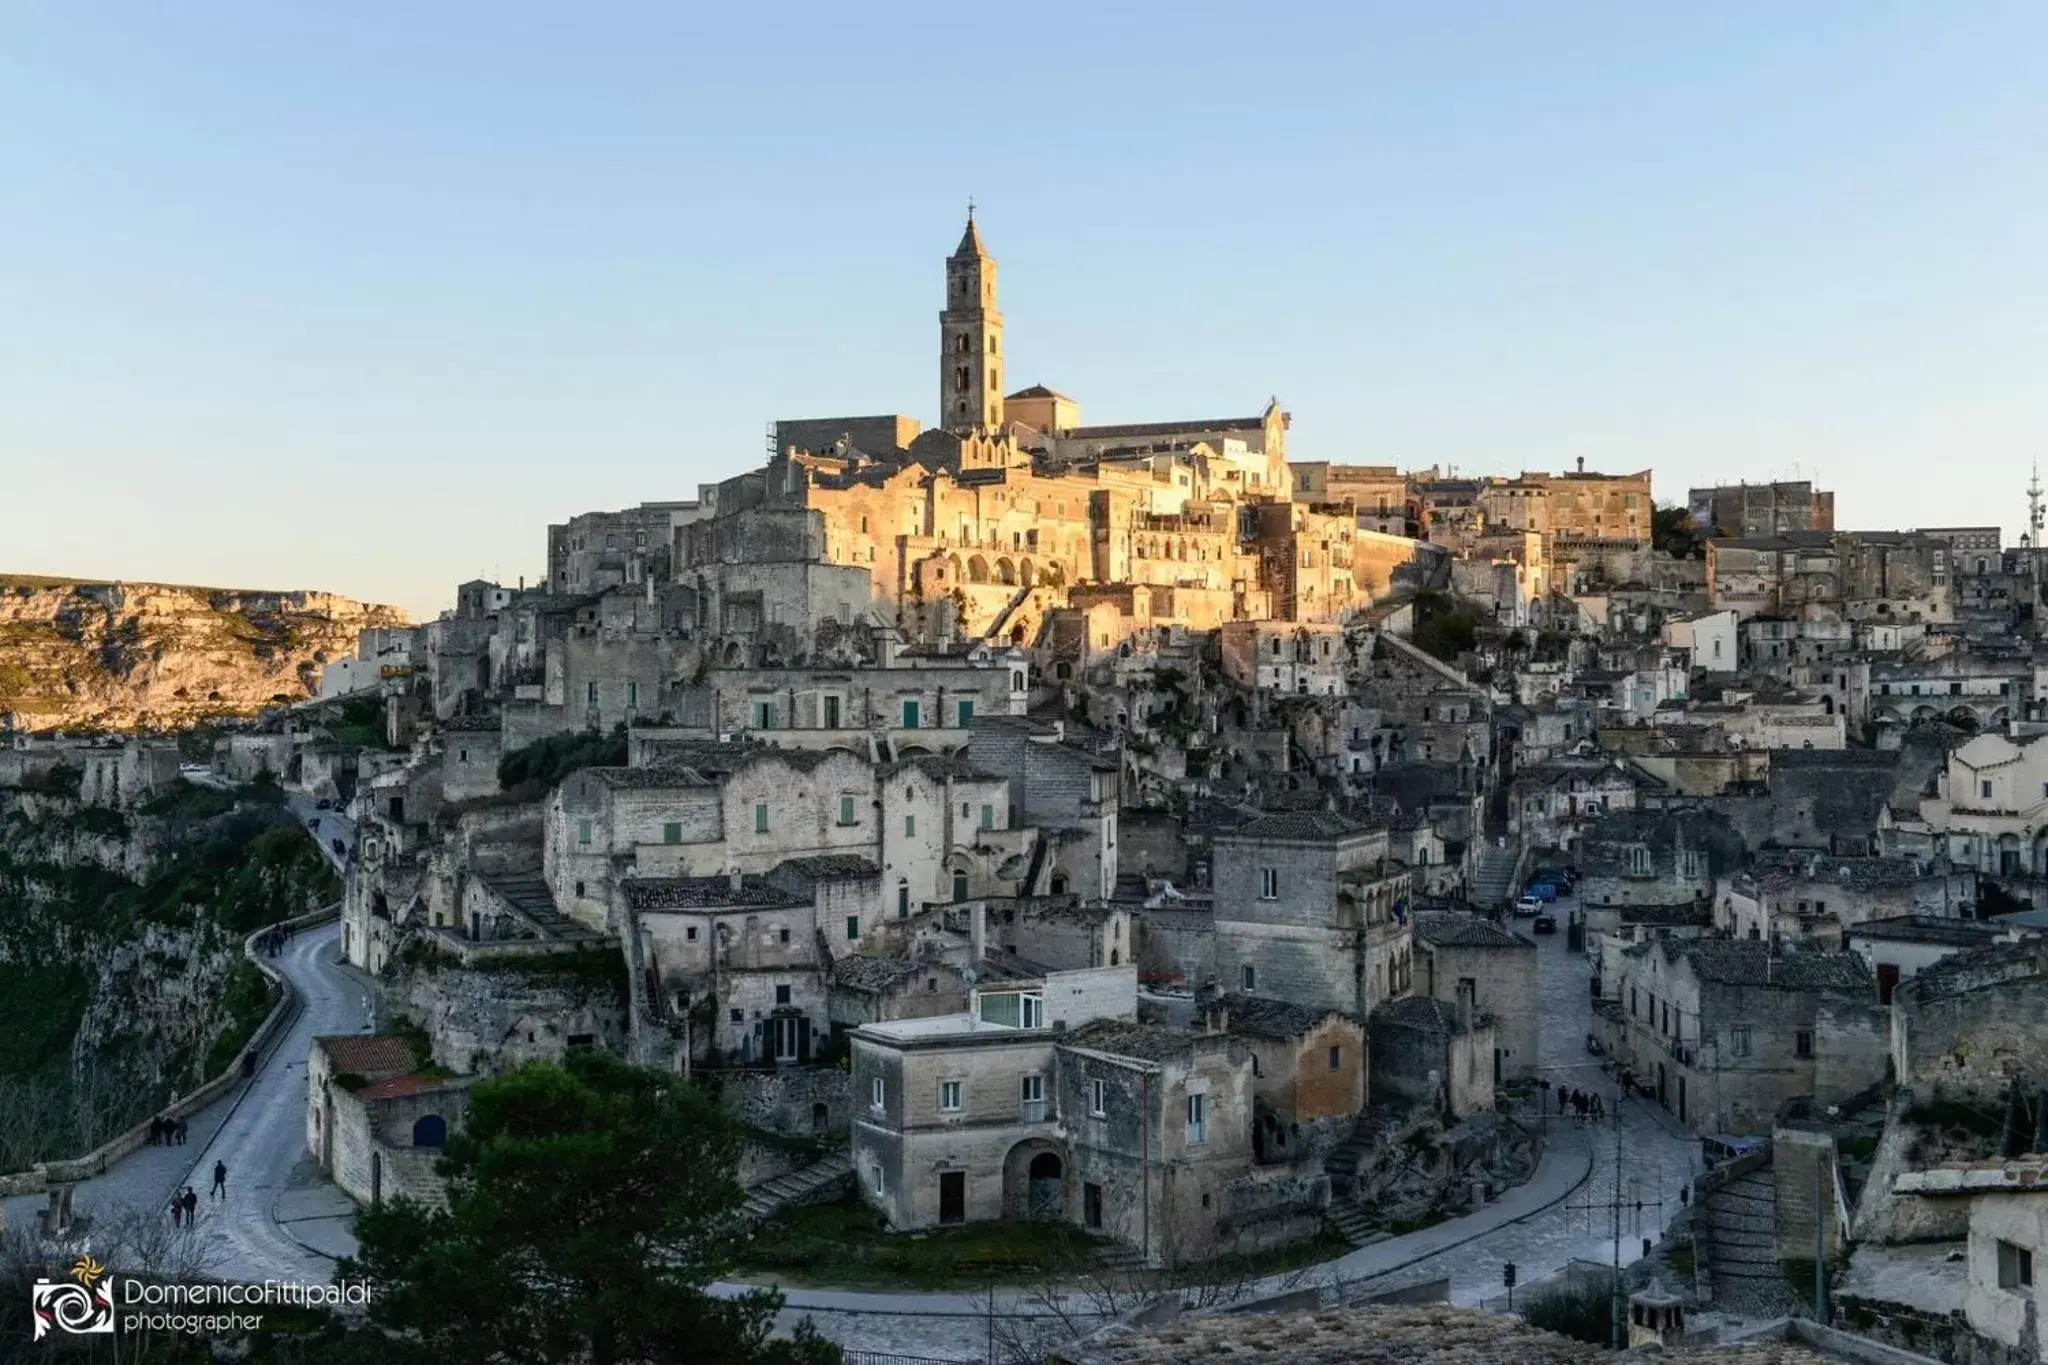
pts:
[281, 1219]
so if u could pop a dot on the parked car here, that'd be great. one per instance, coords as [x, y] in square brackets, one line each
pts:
[323, 804]
[1545, 924]
[1542, 891]
[1527, 906]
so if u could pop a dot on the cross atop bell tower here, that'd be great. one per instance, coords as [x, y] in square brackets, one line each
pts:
[970, 338]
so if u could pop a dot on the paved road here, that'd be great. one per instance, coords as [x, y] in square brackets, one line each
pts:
[280, 1218]
[1562, 1213]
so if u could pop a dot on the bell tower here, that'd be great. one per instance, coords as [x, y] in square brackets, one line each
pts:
[970, 339]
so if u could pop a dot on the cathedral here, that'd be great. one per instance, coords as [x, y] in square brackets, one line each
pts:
[1011, 509]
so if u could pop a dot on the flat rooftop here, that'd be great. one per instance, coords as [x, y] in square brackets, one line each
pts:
[940, 1026]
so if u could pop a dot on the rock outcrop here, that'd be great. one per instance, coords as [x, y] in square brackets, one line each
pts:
[126, 656]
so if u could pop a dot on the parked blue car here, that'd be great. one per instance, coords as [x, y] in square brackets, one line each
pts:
[1542, 891]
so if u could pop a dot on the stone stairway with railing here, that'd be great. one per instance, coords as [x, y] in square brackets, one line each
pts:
[811, 1185]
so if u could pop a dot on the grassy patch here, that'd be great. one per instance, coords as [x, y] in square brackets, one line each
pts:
[537, 768]
[846, 1244]
[41, 1004]
[1584, 1312]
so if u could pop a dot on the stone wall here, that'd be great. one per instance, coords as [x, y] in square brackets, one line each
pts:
[491, 1020]
[1803, 1168]
[805, 1102]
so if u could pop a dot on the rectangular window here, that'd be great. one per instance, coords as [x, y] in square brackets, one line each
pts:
[1098, 1098]
[988, 817]
[949, 1097]
[1031, 1099]
[903, 901]
[583, 832]
[690, 933]
[782, 995]
[966, 711]
[1738, 1041]
[852, 927]
[876, 1093]
[1269, 883]
[590, 694]
[1198, 1120]
[2015, 1267]
[1336, 1058]
[910, 826]
[632, 696]
[1802, 1044]
[831, 713]
[1984, 790]
[764, 715]
[1249, 976]
[760, 817]
[845, 810]
[671, 832]
[878, 1186]
[909, 714]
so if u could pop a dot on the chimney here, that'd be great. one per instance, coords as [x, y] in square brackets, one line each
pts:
[732, 877]
[978, 933]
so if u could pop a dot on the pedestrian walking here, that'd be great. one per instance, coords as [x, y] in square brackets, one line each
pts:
[179, 1132]
[191, 1199]
[156, 1132]
[178, 1210]
[220, 1180]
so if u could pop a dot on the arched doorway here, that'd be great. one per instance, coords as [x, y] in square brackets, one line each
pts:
[376, 1177]
[431, 1130]
[1034, 1180]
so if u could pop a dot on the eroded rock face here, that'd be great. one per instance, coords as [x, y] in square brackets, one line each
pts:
[126, 656]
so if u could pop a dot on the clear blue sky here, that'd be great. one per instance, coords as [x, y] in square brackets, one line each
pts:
[361, 297]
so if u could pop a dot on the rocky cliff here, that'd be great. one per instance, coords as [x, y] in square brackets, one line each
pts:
[124, 656]
[121, 976]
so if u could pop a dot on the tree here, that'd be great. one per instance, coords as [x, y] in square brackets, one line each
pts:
[1672, 532]
[588, 1207]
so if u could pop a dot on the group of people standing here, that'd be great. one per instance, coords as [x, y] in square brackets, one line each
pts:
[1581, 1104]
[166, 1132]
[271, 941]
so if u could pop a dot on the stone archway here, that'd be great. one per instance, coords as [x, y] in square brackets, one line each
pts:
[1035, 1181]
[977, 569]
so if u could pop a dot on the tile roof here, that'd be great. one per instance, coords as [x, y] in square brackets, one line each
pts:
[1454, 929]
[940, 768]
[704, 893]
[1264, 1017]
[369, 1054]
[1928, 929]
[1312, 826]
[873, 975]
[399, 1087]
[1750, 962]
[472, 724]
[825, 867]
[1433, 1334]
[1419, 1011]
[646, 779]
[1124, 1039]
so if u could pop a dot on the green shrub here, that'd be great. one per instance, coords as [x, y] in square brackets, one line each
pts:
[1584, 1312]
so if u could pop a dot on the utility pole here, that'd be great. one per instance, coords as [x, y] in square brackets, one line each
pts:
[1820, 1259]
[1618, 1331]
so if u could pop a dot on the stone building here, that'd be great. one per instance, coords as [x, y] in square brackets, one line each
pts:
[1310, 908]
[1761, 509]
[132, 774]
[375, 1123]
[1990, 812]
[1655, 857]
[1285, 657]
[1725, 1032]
[1436, 1053]
[1817, 898]
[1549, 802]
[1308, 1071]
[1457, 952]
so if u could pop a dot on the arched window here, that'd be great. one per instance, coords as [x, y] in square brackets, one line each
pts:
[430, 1130]
[959, 885]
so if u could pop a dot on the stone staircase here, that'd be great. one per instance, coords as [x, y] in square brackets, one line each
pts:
[1741, 1228]
[1345, 1213]
[529, 897]
[1493, 880]
[807, 1186]
[1119, 1256]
